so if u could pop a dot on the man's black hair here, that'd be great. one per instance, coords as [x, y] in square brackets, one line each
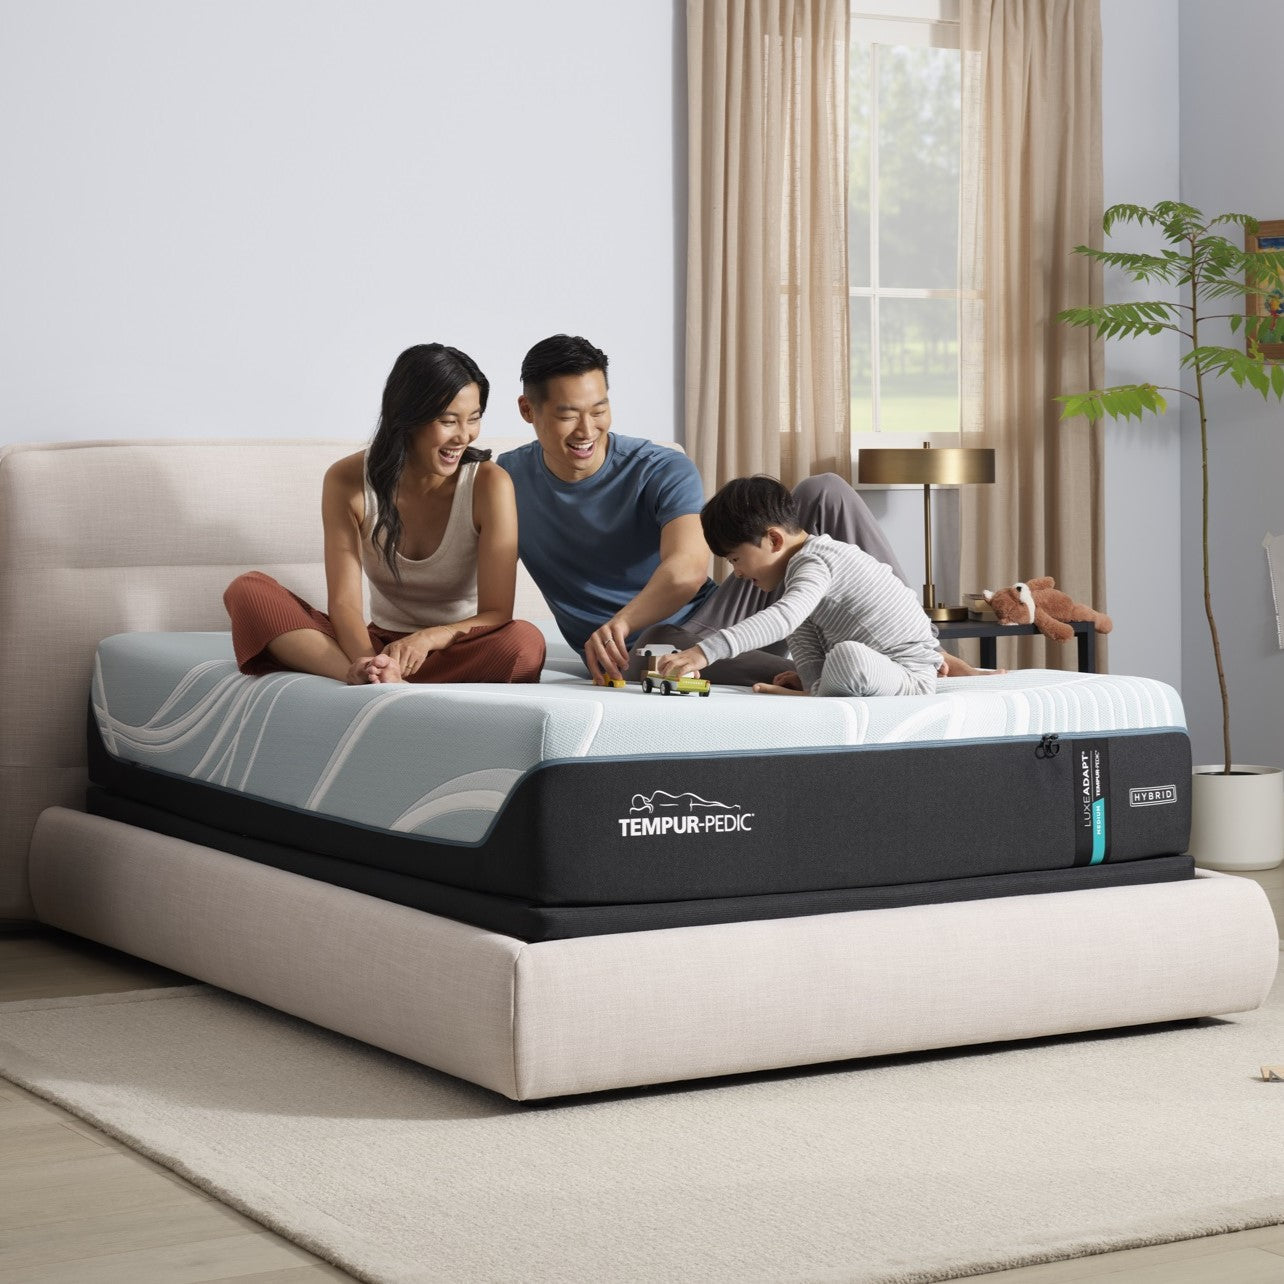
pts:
[743, 509]
[560, 354]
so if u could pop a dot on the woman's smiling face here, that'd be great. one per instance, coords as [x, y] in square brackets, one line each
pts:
[439, 444]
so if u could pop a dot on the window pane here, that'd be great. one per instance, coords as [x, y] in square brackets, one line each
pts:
[861, 367]
[918, 366]
[859, 107]
[918, 167]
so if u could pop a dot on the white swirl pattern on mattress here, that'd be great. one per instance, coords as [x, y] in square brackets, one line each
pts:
[442, 761]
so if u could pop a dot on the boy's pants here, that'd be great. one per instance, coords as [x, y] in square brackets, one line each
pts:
[854, 669]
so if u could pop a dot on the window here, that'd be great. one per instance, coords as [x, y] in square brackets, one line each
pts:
[904, 104]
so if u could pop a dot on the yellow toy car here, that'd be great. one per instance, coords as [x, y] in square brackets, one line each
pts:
[670, 685]
[605, 680]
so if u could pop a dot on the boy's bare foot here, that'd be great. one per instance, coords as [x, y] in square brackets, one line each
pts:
[772, 688]
[956, 668]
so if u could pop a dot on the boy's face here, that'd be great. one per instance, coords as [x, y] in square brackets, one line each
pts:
[764, 563]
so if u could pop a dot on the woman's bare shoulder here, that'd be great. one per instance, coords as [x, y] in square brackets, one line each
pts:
[348, 472]
[493, 478]
[491, 487]
[344, 489]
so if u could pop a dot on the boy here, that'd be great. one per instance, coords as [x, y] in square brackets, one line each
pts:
[854, 628]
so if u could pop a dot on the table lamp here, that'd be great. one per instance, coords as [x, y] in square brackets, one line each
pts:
[928, 467]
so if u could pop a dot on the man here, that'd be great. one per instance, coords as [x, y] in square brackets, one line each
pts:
[609, 526]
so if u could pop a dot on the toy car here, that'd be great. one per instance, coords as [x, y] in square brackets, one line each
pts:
[668, 685]
[605, 680]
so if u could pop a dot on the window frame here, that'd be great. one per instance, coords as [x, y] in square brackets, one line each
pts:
[922, 23]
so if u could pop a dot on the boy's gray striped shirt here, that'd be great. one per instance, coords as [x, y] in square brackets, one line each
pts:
[834, 592]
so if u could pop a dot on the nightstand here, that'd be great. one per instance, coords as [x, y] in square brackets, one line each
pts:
[988, 630]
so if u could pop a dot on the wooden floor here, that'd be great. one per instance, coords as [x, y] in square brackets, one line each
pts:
[77, 1207]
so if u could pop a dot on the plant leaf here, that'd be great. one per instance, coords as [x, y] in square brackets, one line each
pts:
[1141, 267]
[1113, 320]
[1243, 367]
[1123, 401]
[1246, 221]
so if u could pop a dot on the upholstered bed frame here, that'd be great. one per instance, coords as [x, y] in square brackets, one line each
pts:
[107, 537]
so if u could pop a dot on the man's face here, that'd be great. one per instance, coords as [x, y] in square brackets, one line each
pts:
[571, 424]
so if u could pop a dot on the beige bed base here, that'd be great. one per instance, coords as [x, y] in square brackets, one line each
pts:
[104, 537]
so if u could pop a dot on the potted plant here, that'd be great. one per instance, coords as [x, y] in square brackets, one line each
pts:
[1237, 809]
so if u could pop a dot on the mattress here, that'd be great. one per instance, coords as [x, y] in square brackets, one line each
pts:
[571, 797]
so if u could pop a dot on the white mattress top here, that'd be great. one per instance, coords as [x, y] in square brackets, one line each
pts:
[441, 760]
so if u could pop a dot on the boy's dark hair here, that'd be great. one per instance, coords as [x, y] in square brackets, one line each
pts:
[560, 354]
[743, 509]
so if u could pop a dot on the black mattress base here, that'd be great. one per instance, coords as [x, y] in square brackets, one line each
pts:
[614, 831]
[529, 921]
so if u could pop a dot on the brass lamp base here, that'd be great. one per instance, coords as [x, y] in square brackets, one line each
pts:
[954, 466]
[935, 611]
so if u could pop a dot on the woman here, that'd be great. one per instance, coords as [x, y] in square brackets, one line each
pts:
[431, 525]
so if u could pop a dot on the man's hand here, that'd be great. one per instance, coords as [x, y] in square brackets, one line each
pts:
[683, 568]
[787, 683]
[681, 663]
[605, 651]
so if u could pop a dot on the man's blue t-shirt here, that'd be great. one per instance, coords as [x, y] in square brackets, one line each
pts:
[591, 545]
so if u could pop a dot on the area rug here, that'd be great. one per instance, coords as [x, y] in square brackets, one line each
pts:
[909, 1168]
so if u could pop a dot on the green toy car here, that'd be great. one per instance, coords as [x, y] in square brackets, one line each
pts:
[670, 685]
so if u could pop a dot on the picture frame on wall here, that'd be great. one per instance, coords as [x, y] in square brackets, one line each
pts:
[1269, 236]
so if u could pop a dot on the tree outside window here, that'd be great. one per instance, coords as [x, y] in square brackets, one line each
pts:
[903, 217]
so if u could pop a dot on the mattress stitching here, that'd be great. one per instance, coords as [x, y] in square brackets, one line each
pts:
[258, 740]
[512, 1017]
[99, 699]
[347, 742]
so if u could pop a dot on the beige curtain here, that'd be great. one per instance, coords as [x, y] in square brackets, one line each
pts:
[766, 350]
[1032, 192]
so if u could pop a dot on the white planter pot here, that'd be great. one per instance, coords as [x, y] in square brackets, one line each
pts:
[1237, 821]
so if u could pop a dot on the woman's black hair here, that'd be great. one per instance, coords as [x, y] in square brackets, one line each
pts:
[424, 380]
[743, 509]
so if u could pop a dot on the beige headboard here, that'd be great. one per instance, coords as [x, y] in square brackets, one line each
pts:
[107, 537]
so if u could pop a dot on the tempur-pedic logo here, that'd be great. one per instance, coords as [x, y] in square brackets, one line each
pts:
[1152, 796]
[666, 813]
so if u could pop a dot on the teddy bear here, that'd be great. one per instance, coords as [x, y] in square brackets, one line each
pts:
[1041, 603]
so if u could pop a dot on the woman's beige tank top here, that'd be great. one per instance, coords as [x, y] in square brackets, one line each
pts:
[439, 589]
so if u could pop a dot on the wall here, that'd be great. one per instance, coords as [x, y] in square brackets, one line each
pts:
[1227, 70]
[227, 219]
[1140, 143]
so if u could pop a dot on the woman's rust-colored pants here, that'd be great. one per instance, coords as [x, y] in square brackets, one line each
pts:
[262, 609]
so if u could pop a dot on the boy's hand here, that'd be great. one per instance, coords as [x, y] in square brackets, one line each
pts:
[787, 683]
[680, 663]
